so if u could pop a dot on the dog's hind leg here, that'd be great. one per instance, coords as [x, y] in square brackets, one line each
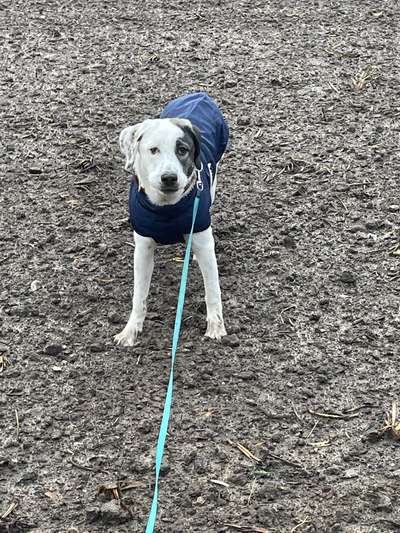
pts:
[203, 247]
[143, 270]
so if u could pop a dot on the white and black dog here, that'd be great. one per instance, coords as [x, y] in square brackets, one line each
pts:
[171, 158]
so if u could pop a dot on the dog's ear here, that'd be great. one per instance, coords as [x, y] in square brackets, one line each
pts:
[129, 139]
[196, 133]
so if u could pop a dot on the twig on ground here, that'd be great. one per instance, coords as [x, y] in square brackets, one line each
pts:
[87, 468]
[333, 87]
[296, 413]
[312, 430]
[320, 444]
[8, 511]
[246, 529]
[251, 491]
[286, 461]
[82, 467]
[392, 423]
[221, 483]
[4, 363]
[245, 451]
[113, 491]
[368, 73]
[305, 521]
[17, 423]
[339, 416]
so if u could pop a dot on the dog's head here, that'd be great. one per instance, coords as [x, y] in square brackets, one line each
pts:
[164, 154]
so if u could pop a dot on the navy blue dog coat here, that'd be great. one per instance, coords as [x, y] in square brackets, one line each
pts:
[169, 223]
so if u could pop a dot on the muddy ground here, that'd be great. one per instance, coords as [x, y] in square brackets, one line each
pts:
[307, 230]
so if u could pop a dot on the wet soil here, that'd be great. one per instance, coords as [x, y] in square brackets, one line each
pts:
[308, 242]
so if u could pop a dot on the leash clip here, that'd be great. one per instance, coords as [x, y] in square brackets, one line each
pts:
[199, 181]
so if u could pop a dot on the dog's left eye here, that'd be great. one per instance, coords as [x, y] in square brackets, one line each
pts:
[182, 150]
[154, 150]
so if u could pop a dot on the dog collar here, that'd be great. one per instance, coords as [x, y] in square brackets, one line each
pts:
[190, 184]
[195, 179]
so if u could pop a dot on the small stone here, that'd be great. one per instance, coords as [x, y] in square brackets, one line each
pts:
[230, 83]
[238, 479]
[246, 375]
[231, 340]
[289, 242]
[92, 514]
[351, 472]
[35, 170]
[4, 461]
[189, 457]
[114, 318]
[200, 500]
[165, 467]
[200, 468]
[112, 513]
[276, 437]
[356, 228]
[28, 477]
[347, 277]
[56, 435]
[10, 442]
[145, 426]
[3, 348]
[383, 503]
[35, 285]
[111, 507]
[394, 208]
[243, 121]
[97, 347]
[54, 349]
[373, 224]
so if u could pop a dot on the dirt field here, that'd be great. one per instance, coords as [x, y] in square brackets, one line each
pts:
[308, 243]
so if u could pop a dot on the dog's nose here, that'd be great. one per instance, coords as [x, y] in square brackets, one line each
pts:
[169, 180]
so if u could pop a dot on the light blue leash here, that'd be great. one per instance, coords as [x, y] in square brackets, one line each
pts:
[168, 400]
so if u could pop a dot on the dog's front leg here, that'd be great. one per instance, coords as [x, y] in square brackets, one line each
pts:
[143, 270]
[204, 248]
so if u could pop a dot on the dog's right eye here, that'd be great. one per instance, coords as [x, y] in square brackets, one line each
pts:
[154, 150]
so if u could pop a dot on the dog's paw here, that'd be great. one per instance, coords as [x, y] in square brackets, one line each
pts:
[128, 336]
[215, 329]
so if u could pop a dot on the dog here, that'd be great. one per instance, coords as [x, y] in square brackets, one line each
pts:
[173, 158]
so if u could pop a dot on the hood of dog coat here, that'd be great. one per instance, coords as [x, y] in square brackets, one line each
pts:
[169, 223]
